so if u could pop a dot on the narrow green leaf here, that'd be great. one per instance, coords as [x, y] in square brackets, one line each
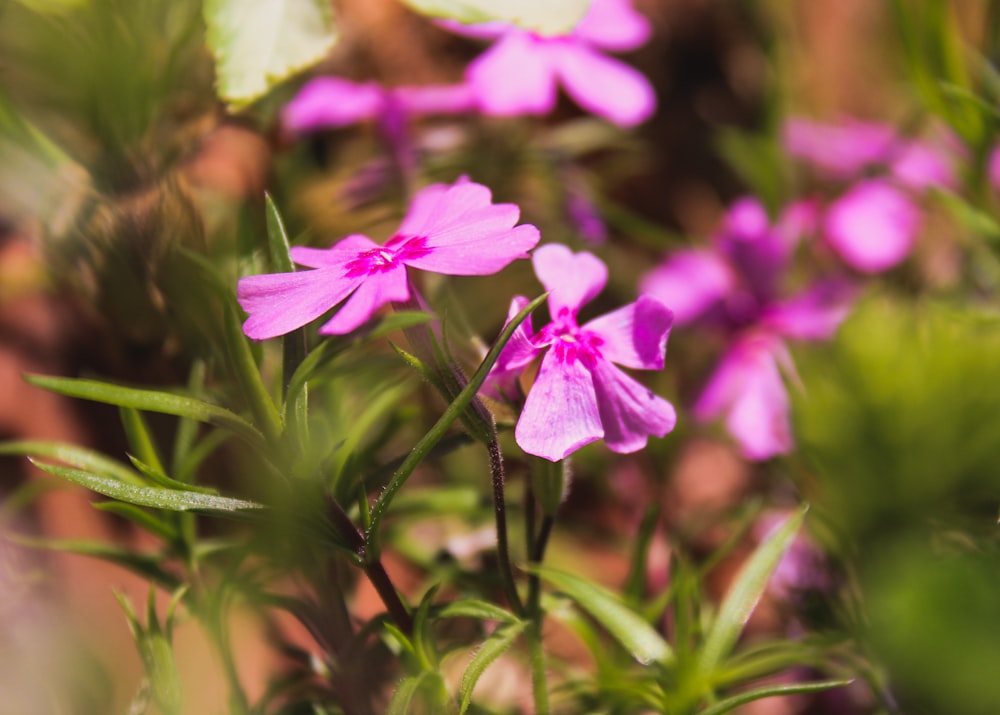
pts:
[552, 17]
[731, 703]
[151, 401]
[744, 594]
[74, 456]
[139, 439]
[277, 238]
[434, 435]
[170, 499]
[405, 692]
[480, 610]
[160, 479]
[492, 648]
[258, 44]
[624, 624]
[139, 516]
[145, 565]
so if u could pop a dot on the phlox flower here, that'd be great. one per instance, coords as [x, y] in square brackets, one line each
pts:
[455, 230]
[579, 394]
[736, 287]
[520, 73]
[333, 102]
[874, 224]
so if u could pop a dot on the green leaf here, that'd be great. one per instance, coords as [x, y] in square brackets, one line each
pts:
[149, 522]
[552, 17]
[258, 44]
[731, 703]
[480, 610]
[745, 592]
[139, 438]
[624, 624]
[170, 499]
[74, 456]
[162, 480]
[492, 648]
[151, 401]
[146, 565]
[434, 435]
[406, 691]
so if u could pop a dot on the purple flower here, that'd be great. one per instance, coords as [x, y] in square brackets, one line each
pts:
[455, 230]
[332, 102]
[579, 395]
[736, 286]
[521, 72]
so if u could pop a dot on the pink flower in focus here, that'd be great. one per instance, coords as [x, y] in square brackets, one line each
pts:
[580, 395]
[736, 286]
[455, 230]
[520, 73]
[332, 102]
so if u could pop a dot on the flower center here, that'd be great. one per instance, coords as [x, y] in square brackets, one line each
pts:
[382, 259]
[569, 342]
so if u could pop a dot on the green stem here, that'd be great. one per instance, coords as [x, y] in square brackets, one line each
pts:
[539, 683]
[500, 513]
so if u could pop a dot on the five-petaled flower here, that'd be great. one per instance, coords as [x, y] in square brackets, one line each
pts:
[736, 287]
[519, 74]
[579, 395]
[455, 230]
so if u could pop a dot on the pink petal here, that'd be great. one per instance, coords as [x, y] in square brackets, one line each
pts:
[374, 291]
[921, 166]
[630, 412]
[635, 335]
[435, 99]
[278, 303]
[560, 414]
[689, 283]
[516, 355]
[603, 86]
[477, 251]
[571, 279]
[873, 226]
[514, 77]
[747, 387]
[329, 102]
[993, 169]
[841, 150]
[613, 25]
[337, 255]
[813, 315]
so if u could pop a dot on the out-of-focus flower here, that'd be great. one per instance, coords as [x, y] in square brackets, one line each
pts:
[874, 224]
[455, 230]
[736, 286]
[579, 395]
[520, 73]
[332, 102]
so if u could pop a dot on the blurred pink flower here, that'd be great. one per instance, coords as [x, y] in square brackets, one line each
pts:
[579, 395]
[455, 230]
[332, 102]
[519, 74]
[736, 285]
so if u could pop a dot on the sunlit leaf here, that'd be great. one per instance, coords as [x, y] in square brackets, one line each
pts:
[492, 648]
[480, 610]
[407, 689]
[745, 592]
[74, 456]
[258, 44]
[624, 624]
[552, 17]
[170, 499]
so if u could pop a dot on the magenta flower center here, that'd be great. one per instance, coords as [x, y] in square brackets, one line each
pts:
[382, 259]
[569, 342]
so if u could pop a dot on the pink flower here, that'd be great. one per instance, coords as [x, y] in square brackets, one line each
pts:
[332, 102]
[579, 395]
[737, 286]
[455, 230]
[520, 73]
[873, 226]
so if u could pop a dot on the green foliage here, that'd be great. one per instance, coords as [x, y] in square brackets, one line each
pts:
[258, 45]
